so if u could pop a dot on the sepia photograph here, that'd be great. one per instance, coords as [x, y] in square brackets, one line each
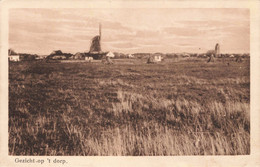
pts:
[125, 81]
[104, 82]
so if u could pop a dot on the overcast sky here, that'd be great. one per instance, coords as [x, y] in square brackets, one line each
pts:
[41, 31]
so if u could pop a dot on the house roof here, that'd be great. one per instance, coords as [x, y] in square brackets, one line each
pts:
[56, 52]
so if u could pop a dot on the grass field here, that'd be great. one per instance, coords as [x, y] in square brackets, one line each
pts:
[186, 107]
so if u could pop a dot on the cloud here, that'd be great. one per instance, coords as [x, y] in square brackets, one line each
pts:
[187, 31]
[124, 45]
[147, 34]
[41, 30]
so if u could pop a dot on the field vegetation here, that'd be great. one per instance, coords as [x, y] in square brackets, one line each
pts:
[130, 108]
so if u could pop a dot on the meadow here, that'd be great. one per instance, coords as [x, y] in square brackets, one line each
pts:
[129, 108]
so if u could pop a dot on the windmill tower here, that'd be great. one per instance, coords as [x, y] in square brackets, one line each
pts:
[217, 50]
[95, 46]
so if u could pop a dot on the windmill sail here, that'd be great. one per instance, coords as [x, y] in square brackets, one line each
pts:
[100, 31]
[96, 42]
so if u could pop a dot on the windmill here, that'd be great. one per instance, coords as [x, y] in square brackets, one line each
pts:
[95, 46]
[95, 50]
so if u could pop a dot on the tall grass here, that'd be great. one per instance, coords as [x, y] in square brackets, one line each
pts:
[93, 109]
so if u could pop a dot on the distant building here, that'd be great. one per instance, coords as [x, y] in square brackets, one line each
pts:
[95, 50]
[88, 58]
[14, 58]
[154, 58]
[39, 58]
[186, 55]
[157, 57]
[58, 57]
[217, 50]
[110, 54]
[79, 56]
[130, 56]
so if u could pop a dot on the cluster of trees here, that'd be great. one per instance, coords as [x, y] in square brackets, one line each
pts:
[120, 55]
[23, 56]
[28, 57]
[59, 55]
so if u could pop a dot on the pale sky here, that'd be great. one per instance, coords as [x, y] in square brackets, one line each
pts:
[128, 30]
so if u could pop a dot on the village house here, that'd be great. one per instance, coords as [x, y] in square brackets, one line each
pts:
[157, 57]
[88, 58]
[79, 56]
[110, 54]
[130, 56]
[13, 56]
[154, 58]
